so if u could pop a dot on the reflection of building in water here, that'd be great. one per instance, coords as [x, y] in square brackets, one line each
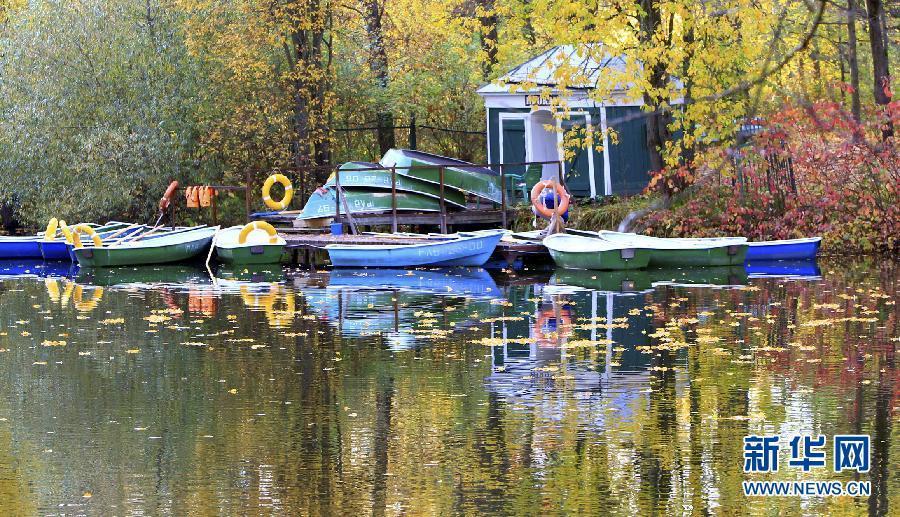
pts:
[528, 371]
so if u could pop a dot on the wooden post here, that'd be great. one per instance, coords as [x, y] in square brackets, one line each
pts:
[212, 200]
[503, 196]
[337, 195]
[443, 208]
[247, 194]
[394, 199]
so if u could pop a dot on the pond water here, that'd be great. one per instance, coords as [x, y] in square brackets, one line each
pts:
[158, 390]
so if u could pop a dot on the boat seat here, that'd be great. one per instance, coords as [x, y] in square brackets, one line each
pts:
[523, 182]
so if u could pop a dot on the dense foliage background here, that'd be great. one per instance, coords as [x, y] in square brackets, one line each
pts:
[102, 102]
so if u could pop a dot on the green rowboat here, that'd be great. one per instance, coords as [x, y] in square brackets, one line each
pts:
[257, 250]
[576, 252]
[373, 175]
[321, 203]
[152, 249]
[720, 251]
[460, 175]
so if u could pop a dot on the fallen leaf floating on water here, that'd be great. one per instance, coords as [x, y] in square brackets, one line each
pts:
[53, 343]
[132, 351]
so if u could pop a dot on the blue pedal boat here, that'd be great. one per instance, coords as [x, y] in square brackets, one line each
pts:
[471, 249]
[24, 247]
[789, 249]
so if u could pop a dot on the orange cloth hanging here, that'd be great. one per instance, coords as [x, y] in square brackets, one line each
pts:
[205, 196]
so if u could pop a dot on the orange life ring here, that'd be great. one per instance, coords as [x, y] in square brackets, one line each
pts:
[543, 329]
[167, 197]
[560, 193]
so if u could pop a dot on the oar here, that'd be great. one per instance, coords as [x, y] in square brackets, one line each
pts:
[123, 230]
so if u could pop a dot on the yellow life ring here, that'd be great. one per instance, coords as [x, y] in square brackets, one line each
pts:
[83, 228]
[258, 225]
[50, 233]
[279, 318]
[52, 289]
[267, 190]
[67, 233]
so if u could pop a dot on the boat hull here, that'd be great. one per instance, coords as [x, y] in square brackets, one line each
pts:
[367, 175]
[799, 249]
[20, 248]
[184, 248]
[463, 176]
[321, 203]
[615, 259]
[471, 251]
[733, 255]
[257, 254]
[54, 250]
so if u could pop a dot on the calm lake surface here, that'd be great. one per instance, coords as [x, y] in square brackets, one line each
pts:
[157, 390]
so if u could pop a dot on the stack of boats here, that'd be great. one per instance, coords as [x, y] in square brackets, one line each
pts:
[415, 176]
[606, 250]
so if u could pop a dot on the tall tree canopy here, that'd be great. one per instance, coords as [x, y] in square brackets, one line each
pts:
[102, 102]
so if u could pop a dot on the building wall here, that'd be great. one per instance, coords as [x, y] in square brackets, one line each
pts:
[629, 160]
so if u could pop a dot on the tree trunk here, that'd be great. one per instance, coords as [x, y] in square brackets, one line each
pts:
[487, 16]
[659, 119]
[310, 82]
[880, 72]
[852, 61]
[373, 11]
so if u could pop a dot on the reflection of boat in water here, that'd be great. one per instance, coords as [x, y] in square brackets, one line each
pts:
[143, 275]
[536, 375]
[251, 272]
[391, 302]
[784, 268]
[459, 281]
[723, 276]
[34, 268]
[633, 281]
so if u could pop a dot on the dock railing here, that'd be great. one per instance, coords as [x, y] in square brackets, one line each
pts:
[339, 194]
[341, 205]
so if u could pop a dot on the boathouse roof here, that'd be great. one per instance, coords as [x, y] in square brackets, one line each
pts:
[583, 65]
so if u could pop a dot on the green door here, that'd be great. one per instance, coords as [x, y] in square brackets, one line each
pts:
[513, 149]
[578, 156]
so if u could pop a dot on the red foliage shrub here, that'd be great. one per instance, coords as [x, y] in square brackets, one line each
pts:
[812, 171]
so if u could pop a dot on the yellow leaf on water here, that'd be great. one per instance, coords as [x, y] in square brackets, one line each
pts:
[233, 391]
[132, 351]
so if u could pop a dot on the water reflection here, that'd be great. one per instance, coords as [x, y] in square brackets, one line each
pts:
[162, 390]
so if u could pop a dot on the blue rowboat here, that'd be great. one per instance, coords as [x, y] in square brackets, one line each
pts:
[25, 247]
[470, 249]
[790, 249]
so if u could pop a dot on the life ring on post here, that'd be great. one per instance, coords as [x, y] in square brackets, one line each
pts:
[167, 197]
[87, 230]
[560, 193]
[258, 225]
[267, 190]
[52, 226]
